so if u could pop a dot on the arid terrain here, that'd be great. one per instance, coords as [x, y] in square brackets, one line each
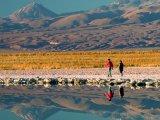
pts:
[123, 24]
[38, 45]
[132, 73]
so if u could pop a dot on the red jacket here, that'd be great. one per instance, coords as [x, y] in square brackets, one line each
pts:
[109, 95]
[109, 64]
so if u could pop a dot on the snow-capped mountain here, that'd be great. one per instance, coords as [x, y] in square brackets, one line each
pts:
[124, 5]
[33, 11]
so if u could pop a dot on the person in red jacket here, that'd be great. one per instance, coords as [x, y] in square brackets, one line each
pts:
[109, 94]
[109, 65]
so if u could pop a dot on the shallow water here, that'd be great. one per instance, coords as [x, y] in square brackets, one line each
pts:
[77, 103]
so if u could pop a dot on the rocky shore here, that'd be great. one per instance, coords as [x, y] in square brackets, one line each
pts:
[137, 76]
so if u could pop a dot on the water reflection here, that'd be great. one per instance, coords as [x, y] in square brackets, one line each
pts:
[109, 94]
[121, 91]
[81, 102]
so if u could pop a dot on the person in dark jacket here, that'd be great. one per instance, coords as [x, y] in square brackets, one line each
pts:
[121, 67]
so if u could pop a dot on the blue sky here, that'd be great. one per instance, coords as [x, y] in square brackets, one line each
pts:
[58, 6]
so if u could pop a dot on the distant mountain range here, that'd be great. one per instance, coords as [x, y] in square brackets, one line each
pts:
[122, 24]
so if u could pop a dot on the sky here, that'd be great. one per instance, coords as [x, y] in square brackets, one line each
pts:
[58, 6]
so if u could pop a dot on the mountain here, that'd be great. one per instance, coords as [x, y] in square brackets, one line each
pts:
[120, 25]
[83, 19]
[127, 5]
[7, 25]
[32, 11]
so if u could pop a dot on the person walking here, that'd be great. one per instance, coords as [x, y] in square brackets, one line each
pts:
[121, 66]
[109, 65]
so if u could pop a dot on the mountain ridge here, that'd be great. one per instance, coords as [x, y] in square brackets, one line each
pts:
[116, 26]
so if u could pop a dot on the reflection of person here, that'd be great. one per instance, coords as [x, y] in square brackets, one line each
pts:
[121, 91]
[121, 65]
[109, 94]
[109, 65]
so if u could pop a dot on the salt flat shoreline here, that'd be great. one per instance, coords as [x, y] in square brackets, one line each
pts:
[92, 73]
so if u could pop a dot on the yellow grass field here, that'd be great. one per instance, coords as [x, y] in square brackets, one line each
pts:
[94, 59]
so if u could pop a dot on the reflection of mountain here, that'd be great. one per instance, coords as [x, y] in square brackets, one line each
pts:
[34, 113]
[40, 103]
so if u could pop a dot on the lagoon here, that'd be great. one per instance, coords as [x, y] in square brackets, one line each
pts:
[35, 102]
